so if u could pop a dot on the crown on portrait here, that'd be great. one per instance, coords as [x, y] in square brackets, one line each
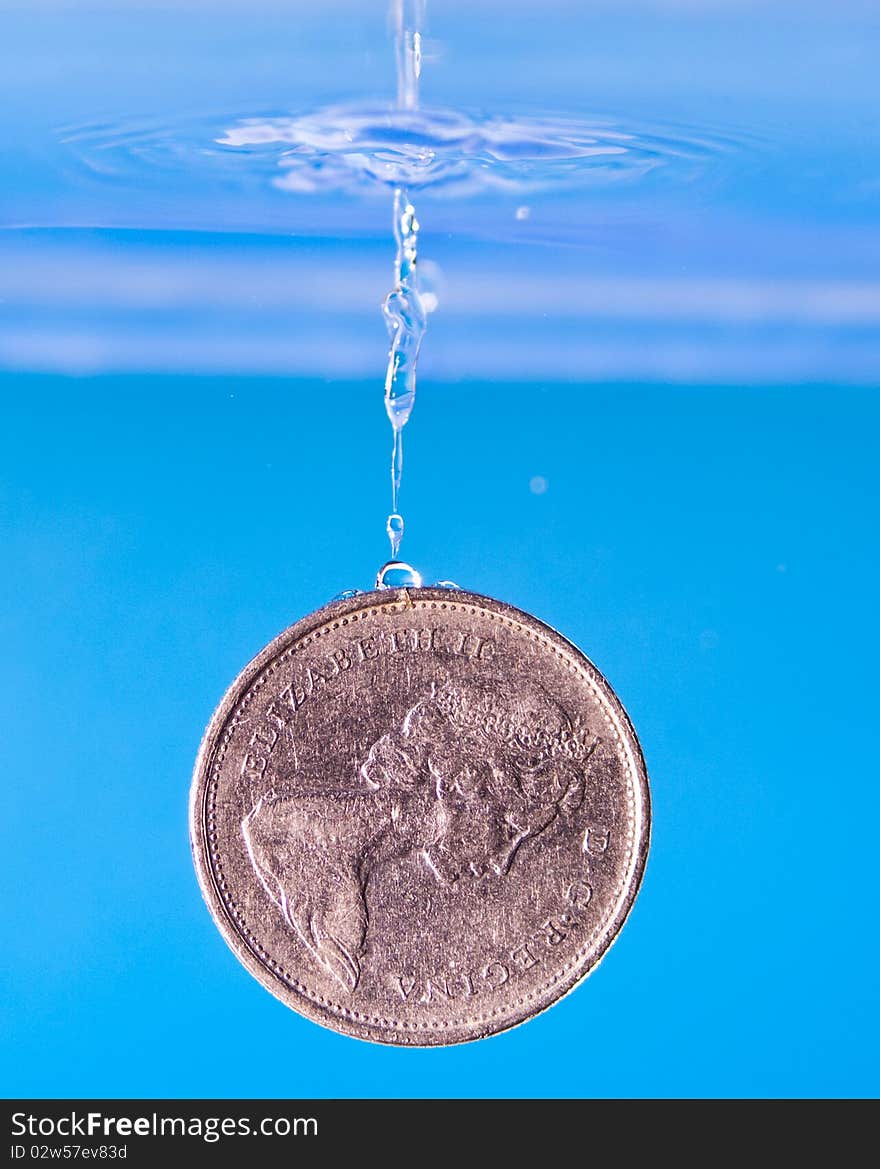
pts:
[487, 713]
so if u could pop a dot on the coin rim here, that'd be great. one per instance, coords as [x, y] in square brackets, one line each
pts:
[230, 930]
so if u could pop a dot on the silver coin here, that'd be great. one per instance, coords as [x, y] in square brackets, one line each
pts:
[420, 816]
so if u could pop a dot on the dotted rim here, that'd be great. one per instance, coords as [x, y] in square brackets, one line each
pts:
[258, 673]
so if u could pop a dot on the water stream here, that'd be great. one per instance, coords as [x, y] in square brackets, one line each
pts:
[403, 308]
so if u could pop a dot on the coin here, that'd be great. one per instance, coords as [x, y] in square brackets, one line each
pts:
[420, 816]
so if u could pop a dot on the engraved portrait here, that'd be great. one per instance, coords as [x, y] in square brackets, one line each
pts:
[470, 775]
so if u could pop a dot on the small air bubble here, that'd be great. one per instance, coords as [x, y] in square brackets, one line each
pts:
[523, 212]
[538, 485]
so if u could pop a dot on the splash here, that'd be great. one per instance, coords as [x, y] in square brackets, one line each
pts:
[364, 149]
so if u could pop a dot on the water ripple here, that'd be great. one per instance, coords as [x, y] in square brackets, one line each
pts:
[362, 148]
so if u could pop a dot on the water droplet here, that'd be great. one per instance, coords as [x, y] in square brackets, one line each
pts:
[447, 584]
[398, 575]
[394, 528]
[347, 594]
[538, 485]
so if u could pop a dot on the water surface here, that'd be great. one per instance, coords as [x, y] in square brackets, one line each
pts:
[674, 192]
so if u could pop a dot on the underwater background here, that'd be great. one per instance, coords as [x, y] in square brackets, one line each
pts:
[647, 413]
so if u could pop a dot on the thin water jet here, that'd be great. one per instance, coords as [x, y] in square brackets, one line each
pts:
[403, 308]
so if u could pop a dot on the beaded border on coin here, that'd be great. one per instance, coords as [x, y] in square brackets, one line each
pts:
[209, 865]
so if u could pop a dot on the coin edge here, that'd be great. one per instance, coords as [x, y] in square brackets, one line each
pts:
[229, 929]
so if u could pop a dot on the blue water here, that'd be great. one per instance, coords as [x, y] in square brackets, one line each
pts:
[647, 413]
[735, 238]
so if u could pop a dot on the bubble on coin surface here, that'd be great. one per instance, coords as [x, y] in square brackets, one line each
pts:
[420, 816]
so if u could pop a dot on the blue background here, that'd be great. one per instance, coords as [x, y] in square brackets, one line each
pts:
[710, 549]
[194, 454]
